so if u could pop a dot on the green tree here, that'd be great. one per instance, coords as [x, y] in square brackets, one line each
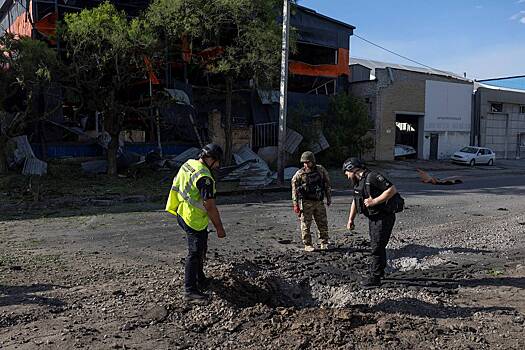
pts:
[27, 67]
[107, 52]
[248, 32]
[349, 138]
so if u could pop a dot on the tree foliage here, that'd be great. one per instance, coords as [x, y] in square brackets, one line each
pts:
[107, 53]
[246, 32]
[349, 124]
[27, 67]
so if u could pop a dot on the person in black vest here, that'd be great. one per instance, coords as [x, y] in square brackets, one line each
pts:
[371, 192]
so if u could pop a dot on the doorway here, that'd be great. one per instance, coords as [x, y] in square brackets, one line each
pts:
[408, 133]
[434, 143]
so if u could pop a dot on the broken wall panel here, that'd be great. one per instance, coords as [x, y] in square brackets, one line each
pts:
[335, 70]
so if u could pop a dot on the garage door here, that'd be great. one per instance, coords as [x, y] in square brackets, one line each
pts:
[495, 134]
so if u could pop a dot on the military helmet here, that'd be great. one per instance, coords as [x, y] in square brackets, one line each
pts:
[212, 150]
[307, 157]
[353, 163]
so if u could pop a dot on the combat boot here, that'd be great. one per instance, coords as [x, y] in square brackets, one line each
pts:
[371, 282]
[325, 246]
[309, 248]
[196, 298]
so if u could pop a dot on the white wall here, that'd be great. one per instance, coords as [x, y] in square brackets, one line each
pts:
[447, 113]
[449, 142]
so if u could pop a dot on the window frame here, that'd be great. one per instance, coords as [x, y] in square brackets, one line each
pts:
[495, 110]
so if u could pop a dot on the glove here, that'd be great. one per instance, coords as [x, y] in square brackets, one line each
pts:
[296, 209]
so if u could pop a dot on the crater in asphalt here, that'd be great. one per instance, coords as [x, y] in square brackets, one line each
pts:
[299, 280]
[331, 279]
[246, 285]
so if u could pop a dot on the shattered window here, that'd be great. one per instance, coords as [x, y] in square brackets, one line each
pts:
[496, 107]
[314, 54]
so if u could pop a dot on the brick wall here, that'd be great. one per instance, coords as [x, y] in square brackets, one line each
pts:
[394, 91]
[240, 135]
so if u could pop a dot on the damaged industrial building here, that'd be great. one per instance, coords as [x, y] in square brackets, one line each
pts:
[318, 69]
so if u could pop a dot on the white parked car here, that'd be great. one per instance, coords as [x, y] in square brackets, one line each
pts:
[473, 155]
[403, 151]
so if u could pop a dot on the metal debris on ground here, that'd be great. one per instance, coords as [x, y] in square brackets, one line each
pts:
[257, 174]
[21, 150]
[426, 178]
[22, 155]
[293, 140]
[268, 154]
[190, 153]
[320, 145]
[234, 172]
[34, 166]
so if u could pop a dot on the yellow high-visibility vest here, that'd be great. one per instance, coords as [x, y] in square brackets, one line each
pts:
[185, 200]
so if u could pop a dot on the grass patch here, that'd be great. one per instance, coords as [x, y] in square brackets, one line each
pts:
[495, 272]
[67, 179]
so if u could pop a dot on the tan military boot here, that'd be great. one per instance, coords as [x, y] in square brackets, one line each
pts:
[309, 248]
[325, 246]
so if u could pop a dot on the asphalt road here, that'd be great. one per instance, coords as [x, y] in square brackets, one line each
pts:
[91, 279]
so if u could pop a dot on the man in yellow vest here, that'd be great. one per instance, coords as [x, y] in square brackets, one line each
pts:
[192, 201]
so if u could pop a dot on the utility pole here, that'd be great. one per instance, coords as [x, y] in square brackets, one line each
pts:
[283, 98]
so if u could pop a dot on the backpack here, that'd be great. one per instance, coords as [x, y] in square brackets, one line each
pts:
[396, 204]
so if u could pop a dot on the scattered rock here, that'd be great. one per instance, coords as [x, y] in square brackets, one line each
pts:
[284, 241]
[156, 314]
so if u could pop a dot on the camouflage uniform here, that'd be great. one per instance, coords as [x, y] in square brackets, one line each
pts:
[312, 208]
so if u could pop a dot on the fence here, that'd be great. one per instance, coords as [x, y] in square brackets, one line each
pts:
[265, 134]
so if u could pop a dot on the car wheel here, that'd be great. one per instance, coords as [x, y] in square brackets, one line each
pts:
[491, 162]
[472, 162]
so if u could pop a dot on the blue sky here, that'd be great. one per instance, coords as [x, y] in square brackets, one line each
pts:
[484, 38]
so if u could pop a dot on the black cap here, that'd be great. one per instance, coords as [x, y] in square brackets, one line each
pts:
[212, 150]
[353, 163]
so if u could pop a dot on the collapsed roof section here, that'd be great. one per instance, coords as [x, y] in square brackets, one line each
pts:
[320, 64]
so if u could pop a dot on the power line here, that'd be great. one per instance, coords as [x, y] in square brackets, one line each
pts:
[397, 54]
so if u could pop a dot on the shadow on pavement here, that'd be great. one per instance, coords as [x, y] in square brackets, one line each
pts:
[420, 251]
[23, 295]
[451, 283]
[415, 307]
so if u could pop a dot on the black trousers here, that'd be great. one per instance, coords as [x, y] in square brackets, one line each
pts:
[380, 230]
[197, 247]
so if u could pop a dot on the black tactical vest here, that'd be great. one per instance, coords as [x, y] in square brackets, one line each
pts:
[312, 187]
[361, 191]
